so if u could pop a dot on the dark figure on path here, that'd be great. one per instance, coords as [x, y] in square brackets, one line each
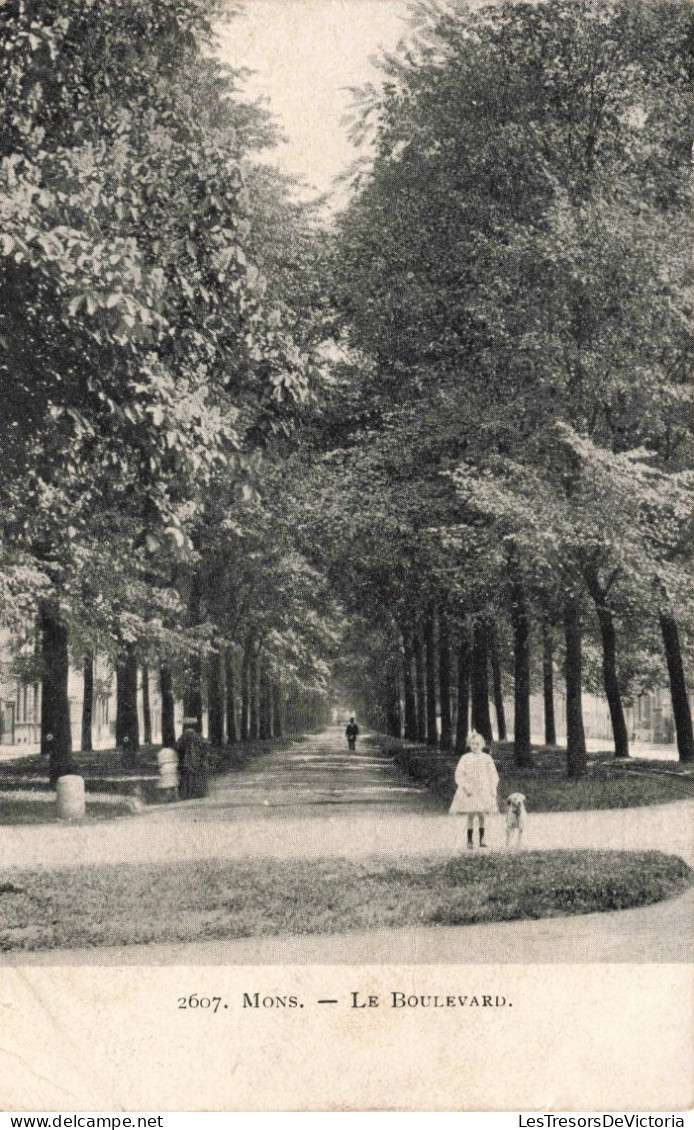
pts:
[352, 733]
[193, 761]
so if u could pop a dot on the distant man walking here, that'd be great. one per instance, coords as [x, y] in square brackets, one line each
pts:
[352, 733]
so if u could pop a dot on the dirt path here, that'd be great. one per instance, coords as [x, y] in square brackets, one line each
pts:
[318, 800]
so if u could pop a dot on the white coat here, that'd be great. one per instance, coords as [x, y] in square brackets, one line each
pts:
[477, 779]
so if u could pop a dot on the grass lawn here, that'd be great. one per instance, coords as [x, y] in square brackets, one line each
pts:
[608, 782]
[125, 905]
[103, 770]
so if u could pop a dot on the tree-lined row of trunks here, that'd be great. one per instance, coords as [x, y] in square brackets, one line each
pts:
[233, 688]
[441, 679]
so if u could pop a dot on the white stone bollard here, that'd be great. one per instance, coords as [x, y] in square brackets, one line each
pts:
[168, 774]
[70, 798]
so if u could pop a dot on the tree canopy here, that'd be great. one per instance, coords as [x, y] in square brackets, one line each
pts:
[425, 441]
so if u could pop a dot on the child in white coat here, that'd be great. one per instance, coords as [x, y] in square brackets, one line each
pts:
[477, 780]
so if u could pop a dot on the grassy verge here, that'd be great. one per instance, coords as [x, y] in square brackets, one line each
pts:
[124, 905]
[103, 772]
[608, 783]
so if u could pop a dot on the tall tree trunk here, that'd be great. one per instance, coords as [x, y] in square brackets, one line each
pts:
[168, 725]
[271, 707]
[609, 661]
[611, 682]
[497, 688]
[420, 685]
[253, 719]
[127, 722]
[277, 711]
[56, 734]
[409, 689]
[392, 700]
[87, 702]
[678, 687]
[479, 683]
[264, 704]
[291, 712]
[445, 681]
[232, 734]
[548, 685]
[215, 699]
[575, 733]
[146, 706]
[245, 689]
[522, 751]
[464, 673]
[192, 693]
[430, 649]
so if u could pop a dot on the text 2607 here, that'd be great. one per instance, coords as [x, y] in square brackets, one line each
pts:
[195, 1001]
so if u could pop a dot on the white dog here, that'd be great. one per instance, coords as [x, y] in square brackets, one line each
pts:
[516, 814]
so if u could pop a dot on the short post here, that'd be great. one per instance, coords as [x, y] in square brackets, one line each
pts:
[70, 797]
[168, 774]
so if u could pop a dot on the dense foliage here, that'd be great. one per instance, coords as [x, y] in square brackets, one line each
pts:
[145, 361]
[515, 299]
